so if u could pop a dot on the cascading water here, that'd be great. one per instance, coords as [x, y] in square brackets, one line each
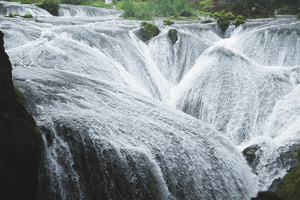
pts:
[103, 100]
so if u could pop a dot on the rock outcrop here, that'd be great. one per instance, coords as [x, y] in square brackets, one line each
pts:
[173, 35]
[20, 142]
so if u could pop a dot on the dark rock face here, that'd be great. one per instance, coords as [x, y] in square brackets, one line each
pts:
[20, 144]
[250, 155]
[266, 196]
[173, 35]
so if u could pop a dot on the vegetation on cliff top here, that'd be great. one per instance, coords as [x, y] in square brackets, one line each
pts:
[184, 9]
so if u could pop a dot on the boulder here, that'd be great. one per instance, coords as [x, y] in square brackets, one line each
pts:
[173, 35]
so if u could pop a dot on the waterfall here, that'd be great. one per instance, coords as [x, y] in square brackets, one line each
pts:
[84, 11]
[22, 9]
[126, 119]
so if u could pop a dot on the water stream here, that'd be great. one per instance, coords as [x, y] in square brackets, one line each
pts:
[125, 119]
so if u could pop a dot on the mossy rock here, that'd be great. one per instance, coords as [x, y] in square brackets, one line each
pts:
[173, 35]
[152, 30]
[149, 31]
[168, 22]
[289, 188]
[223, 23]
[206, 21]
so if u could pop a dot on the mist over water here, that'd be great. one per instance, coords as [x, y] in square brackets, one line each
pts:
[125, 119]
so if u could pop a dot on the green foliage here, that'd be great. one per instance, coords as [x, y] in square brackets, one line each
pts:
[20, 95]
[137, 10]
[26, 2]
[100, 3]
[162, 7]
[298, 153]
[50, 5]
[129, 8]
[230, 16]
[74, 2]
[239, 20]
[168, 22]
[289, 188]
[27, 15]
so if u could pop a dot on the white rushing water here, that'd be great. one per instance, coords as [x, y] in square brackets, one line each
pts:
[106, 104]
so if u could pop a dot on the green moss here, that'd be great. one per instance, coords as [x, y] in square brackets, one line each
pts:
[289, 188]
[27, 15]
[143, 23]
[152, 30]
[20, 95]
[206, 21]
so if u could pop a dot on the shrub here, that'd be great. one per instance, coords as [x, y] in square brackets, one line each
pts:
[143, 11]
[137, 11]
[186, 13]
[129, 8]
